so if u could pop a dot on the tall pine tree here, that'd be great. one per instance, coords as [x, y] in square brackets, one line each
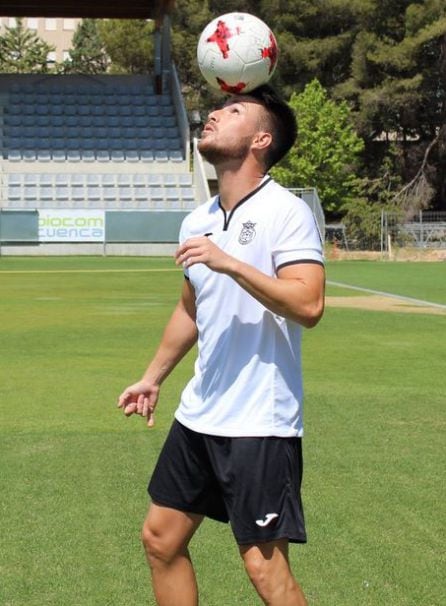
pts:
[22, 51]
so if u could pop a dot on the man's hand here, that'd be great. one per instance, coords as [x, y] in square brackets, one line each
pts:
[203, 250]
[141, 399]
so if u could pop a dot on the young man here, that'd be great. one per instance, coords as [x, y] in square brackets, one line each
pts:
[254, 276]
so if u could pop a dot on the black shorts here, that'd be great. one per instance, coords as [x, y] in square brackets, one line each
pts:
[254, 483]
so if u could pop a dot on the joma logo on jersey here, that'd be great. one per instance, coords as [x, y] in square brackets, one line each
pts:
[248, 233]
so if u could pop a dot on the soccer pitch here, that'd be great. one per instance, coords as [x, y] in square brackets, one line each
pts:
[73, 470]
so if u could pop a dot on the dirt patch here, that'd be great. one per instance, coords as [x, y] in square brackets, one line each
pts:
[380, 303]
[334, 253]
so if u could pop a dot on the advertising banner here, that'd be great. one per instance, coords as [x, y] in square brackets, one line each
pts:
[68, 225]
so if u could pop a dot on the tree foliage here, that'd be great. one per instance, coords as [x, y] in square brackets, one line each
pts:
[327, 149]
[87, 55]
[22, 51]
[129, 44]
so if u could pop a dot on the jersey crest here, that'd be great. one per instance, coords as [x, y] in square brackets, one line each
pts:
[248, 233]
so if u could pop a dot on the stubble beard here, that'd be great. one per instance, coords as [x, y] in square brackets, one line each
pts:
[218, 154]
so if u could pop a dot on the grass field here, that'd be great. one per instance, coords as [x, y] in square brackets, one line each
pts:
[73, 471]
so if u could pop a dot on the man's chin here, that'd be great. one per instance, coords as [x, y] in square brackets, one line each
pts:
[205, 150]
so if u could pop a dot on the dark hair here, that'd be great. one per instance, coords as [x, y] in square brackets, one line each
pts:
[283, 123]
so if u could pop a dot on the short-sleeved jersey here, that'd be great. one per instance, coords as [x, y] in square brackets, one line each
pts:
[247, 379]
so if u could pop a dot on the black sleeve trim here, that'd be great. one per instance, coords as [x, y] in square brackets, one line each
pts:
[187, 277]
[299, 262]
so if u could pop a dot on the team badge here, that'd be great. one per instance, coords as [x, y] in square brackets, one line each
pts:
[248, 233]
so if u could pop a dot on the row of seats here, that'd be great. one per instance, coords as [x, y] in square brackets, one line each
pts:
[29, 109]
[152, 119]
[83, 143]
[87, 155]
[146, 204]
[90, 132]
[57, 87]
[94, 197]
[98, 179]
[91, 98]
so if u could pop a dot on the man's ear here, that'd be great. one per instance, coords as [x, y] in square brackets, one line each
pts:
[262, 140]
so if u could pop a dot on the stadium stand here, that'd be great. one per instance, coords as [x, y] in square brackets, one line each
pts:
[104, 142]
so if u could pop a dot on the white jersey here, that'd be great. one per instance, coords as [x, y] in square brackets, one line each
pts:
[247, 379]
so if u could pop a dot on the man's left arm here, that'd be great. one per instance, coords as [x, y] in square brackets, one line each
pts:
[297, 293]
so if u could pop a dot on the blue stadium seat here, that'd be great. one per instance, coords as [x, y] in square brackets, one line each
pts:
[93, 180]
[154, 180]
[29, 155]
[146, 155]
[78, 192]
[176, 156]
[93, 194]
[185, 179]
[46, 179]
[62, 179]
[43, 155]
[77, 179]
[46, 194]
[161, 156]
[102, 155]
[124, 180]
[14, 155]
[59, 155]
[187, 194]
[139, 180]
[31, 179]
[109, 193]
[170, 180]
[125, 194]
[62, 193]
[131, 155]
[14, 179]
[141, 194]
[88, 155]
[156, 193]
[117, 155]
[15, 193]
[30, 192]
[73, 153]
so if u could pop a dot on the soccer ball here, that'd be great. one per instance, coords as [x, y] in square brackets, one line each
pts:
[237, 52]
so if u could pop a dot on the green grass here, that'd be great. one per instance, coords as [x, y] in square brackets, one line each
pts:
[418, 280]
[73, 470]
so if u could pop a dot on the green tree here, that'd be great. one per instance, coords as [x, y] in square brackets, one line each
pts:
[22, 51]
[129, 44]
[362, 214]
[326, 154]
[398, 86]
[87, 55]
[315, 40]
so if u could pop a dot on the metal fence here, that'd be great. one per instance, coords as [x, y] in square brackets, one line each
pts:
[427, 229]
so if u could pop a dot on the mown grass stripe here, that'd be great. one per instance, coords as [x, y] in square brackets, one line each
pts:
[386, 294]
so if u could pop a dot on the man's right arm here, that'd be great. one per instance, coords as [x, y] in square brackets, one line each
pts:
[178, 338]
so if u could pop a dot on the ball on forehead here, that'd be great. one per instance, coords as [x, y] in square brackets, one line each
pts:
[237, 52]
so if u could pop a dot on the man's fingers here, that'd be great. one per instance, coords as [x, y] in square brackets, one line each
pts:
[122, 399]
[130, 409]
[150, 419]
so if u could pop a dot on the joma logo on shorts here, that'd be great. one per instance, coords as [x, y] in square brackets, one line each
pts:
[268, 519]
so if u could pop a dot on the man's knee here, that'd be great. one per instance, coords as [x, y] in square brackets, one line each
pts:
[166, 534]
[268, 569]
[155, 545]
[258, 571]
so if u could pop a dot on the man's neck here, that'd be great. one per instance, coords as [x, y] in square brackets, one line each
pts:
[233, 186]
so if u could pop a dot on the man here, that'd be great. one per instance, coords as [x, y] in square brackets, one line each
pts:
[254, 276]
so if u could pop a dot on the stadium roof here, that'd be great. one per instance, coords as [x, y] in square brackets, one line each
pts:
[112, 9]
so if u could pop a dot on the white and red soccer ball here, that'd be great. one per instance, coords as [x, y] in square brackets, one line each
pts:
[237, 52]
